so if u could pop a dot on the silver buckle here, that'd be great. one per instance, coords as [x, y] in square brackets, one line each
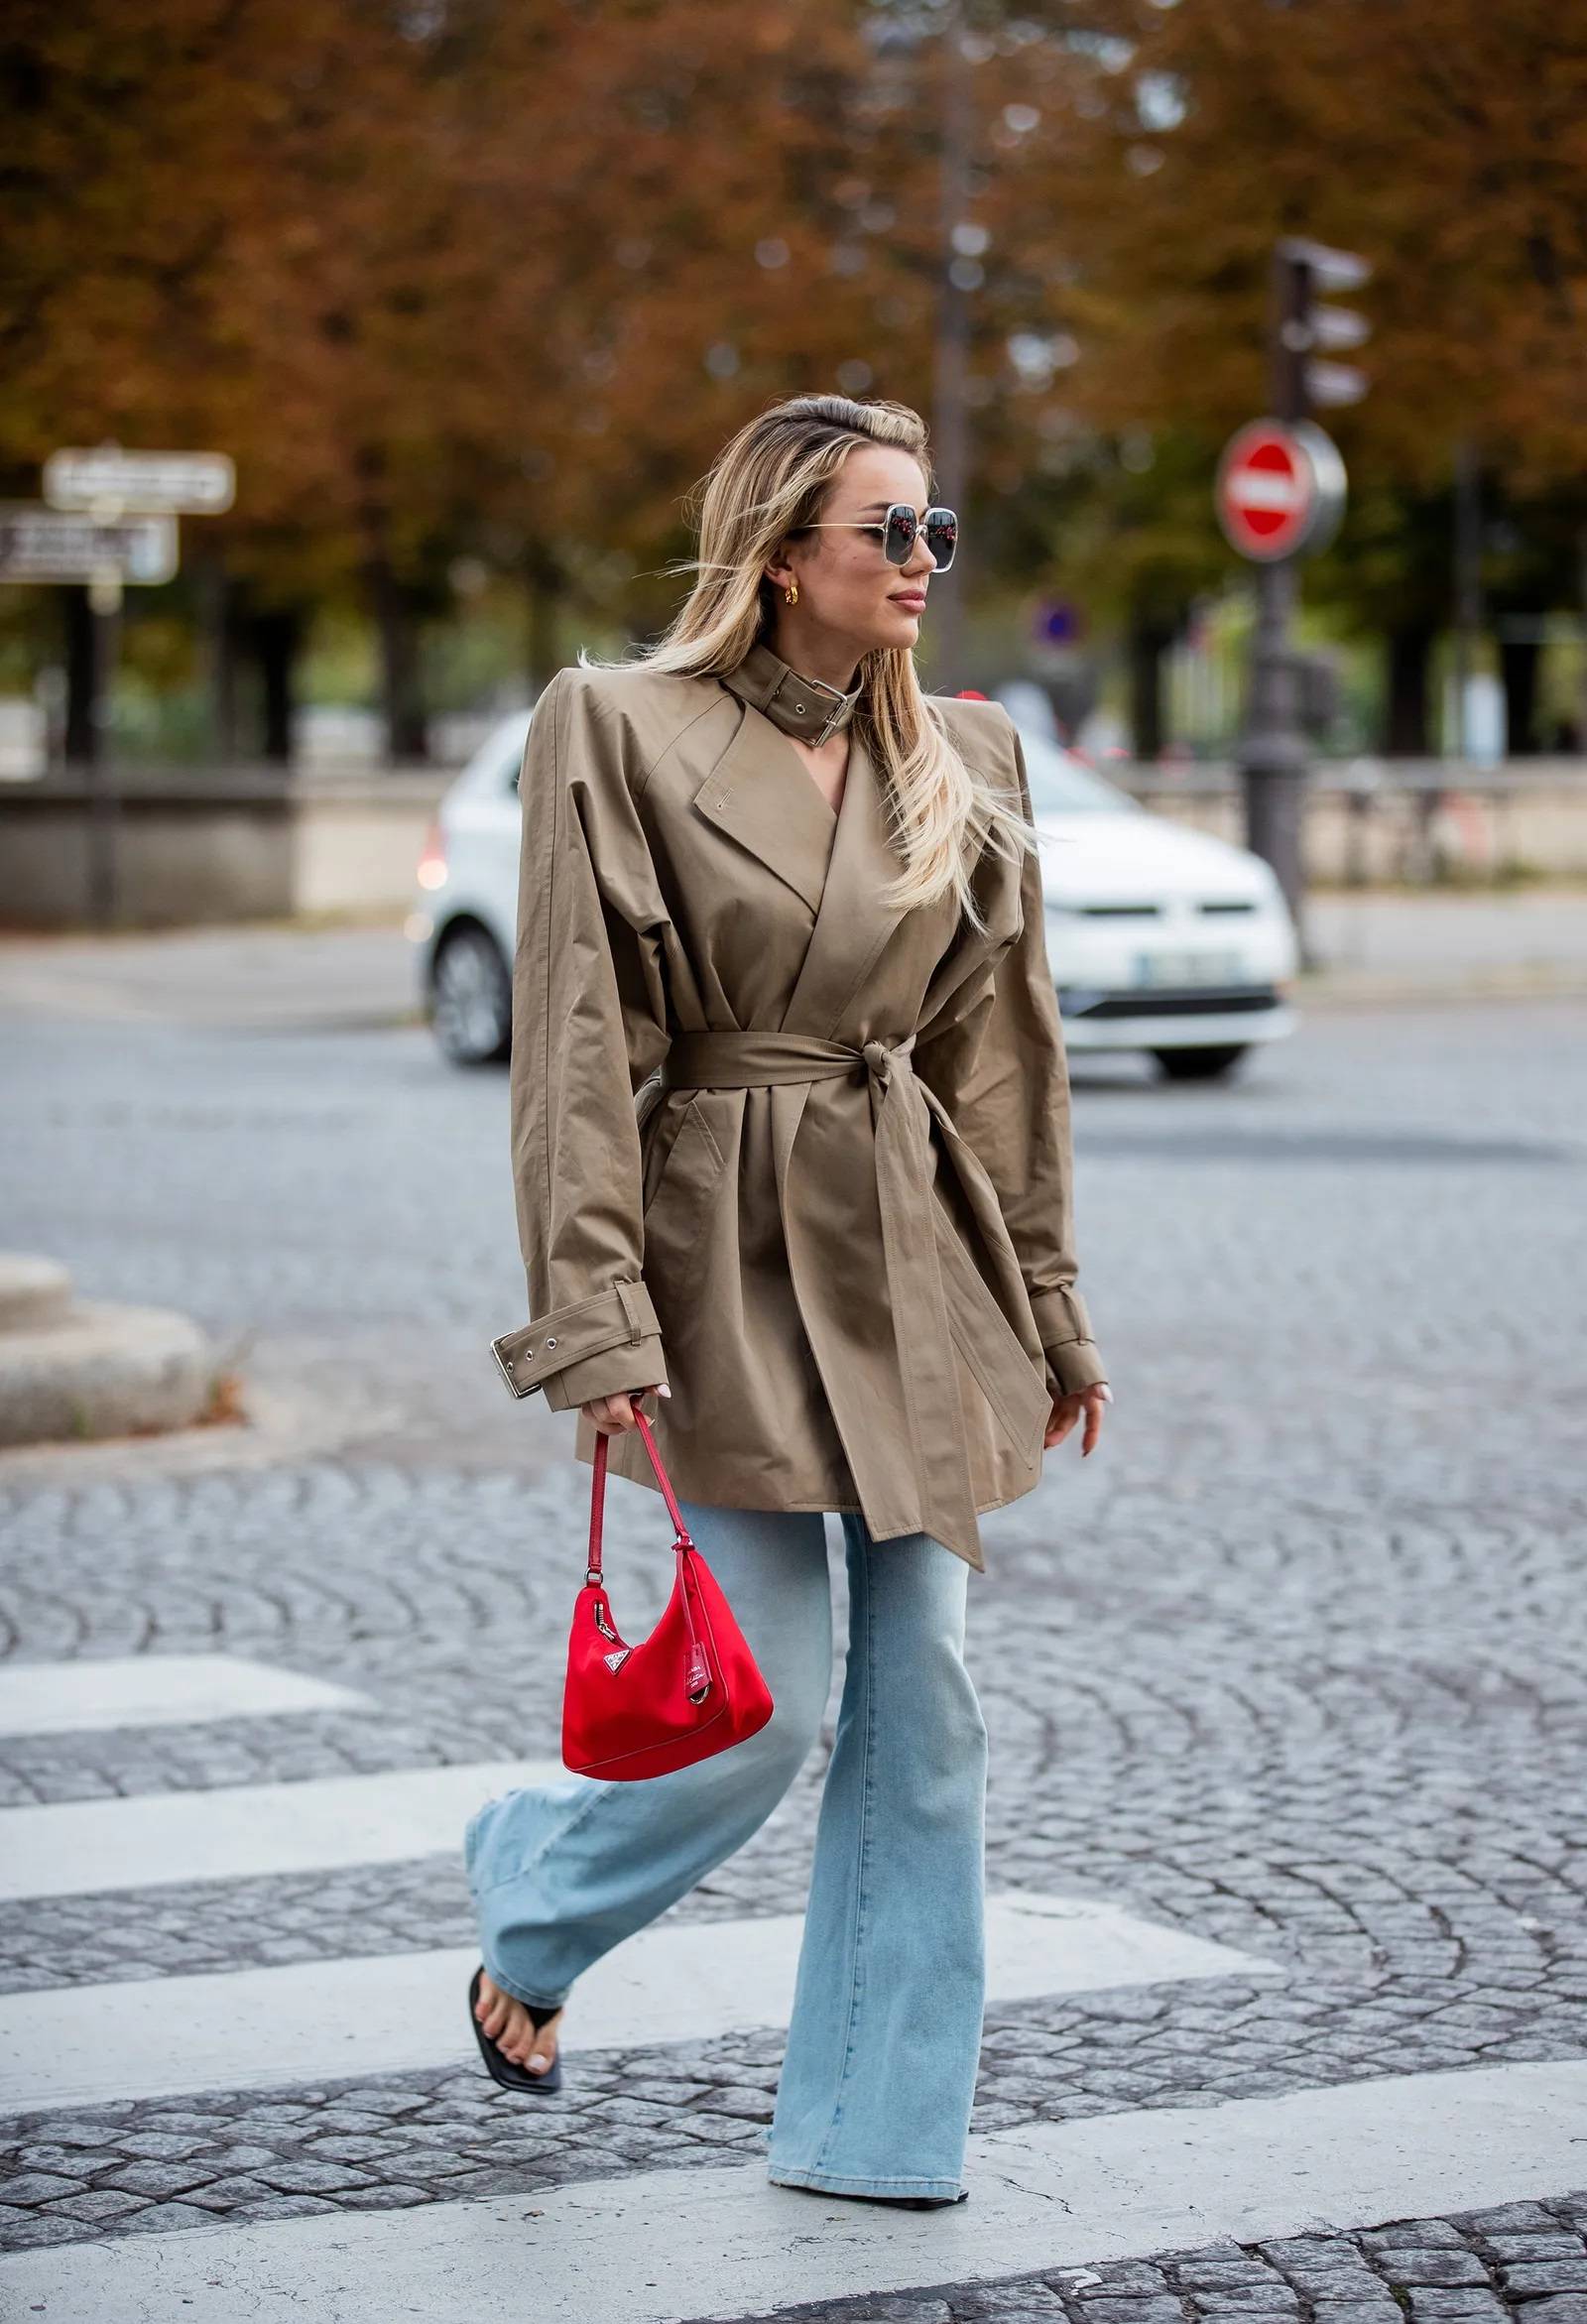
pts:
[818, 686]
[505, 1369]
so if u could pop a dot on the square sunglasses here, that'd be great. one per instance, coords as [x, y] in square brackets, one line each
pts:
[898, 529]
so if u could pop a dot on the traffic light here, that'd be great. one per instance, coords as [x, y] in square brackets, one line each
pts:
[1303, 381]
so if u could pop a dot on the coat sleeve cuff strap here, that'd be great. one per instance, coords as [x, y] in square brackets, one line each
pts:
[619, 1325]
[1059, 1315]
[1073, 1364]
[1065, 1330]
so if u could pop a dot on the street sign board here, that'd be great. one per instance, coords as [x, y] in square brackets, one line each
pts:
[1058, 622]
[1330, 269]
[38, 543]
[197, 484]
[1279, 489]
[1332, 383]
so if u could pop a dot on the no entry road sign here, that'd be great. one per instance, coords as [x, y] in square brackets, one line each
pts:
[1280, 490]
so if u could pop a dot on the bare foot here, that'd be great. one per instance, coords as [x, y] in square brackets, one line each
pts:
[511, 2027]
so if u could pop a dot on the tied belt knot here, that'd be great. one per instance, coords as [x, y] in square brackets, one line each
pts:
[754, 1060]
[901, 1110]
[879, 1055]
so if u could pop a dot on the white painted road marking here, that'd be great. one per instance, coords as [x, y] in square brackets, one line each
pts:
[157, 1690]
[245, 1830]
[653, 2248]
[676, 1981]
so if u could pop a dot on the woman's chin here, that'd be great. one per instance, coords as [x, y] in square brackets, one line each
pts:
[894, 632]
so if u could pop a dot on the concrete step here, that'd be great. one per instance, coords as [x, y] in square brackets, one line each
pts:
[101, 1371]
[32, 1291]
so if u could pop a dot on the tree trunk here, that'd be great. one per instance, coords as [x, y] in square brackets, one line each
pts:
[1405, 722]
[81, 734]
[218, 631]
[277, 635]
[544, 587]
[1519, 660]
[401, 703]
[1149, 641]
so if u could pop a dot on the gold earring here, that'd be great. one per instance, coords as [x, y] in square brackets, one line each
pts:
[793, 593]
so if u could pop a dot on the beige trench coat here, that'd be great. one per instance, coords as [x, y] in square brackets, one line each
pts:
[836, 1217]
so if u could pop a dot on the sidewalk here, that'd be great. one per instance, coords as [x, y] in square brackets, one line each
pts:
[272, 975]
[1379, 946]
[1395, 946]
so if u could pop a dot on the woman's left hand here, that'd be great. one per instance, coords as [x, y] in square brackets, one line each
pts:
[1066, 1410]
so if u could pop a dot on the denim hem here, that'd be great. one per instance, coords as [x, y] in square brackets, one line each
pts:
[830, 2184]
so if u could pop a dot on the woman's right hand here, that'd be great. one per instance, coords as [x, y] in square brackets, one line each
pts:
[612, 1415]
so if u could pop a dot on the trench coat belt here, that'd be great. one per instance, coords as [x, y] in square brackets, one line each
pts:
[928, 1362]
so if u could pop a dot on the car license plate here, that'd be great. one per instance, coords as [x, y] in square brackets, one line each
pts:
[1190, 968]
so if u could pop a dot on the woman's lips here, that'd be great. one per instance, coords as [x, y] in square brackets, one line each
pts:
[912, 599]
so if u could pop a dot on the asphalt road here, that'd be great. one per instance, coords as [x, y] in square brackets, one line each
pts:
[1287, 1843]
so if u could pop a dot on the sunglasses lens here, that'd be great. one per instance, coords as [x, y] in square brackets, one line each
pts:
[942, 535]
[900, 531]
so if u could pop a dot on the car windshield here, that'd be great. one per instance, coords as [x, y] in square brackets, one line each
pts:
[1061, 786]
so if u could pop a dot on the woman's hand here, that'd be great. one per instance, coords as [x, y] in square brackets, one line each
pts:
[613, 1415]
[1066, 1410]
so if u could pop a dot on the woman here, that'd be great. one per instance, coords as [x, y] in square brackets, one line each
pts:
[765, 877]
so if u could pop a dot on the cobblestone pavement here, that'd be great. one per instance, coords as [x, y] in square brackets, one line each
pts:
[1302, 1647]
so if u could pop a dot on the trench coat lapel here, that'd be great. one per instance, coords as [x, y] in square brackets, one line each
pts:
[853, 923]
[761, 795]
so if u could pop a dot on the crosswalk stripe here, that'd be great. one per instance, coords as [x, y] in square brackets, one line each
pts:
[157, 1690]
[654, 2247]
[691, 1981]
[246, 1830]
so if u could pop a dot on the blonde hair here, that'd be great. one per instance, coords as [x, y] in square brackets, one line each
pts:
[770, 479]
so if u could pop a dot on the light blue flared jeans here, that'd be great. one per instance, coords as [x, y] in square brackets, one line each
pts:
[883, 2045]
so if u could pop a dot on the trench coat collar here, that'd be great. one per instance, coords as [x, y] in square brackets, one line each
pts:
[805, 707]
[839, 864]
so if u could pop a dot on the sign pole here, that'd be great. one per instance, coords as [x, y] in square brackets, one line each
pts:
[104, 806]
[108, 517]
[1272, 750]
[1281, 493]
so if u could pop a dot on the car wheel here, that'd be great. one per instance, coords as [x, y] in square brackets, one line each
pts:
[1199, 1064]
[471, 999]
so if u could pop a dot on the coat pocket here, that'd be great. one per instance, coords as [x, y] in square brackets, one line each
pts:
[990, 1344]
[684, 1168]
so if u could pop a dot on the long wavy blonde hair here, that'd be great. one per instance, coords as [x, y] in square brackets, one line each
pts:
[772, 477]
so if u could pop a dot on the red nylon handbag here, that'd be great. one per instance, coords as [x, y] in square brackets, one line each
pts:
[692, 1688]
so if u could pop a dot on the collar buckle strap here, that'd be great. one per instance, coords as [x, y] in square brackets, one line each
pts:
[801, 699]
[808, 708]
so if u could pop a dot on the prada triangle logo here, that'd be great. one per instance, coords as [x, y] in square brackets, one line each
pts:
[615, 1661]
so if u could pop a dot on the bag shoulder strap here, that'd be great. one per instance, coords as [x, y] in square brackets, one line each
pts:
[598, 1497]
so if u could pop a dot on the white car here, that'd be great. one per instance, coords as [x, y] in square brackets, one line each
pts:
[1160, 938]
[463, 927]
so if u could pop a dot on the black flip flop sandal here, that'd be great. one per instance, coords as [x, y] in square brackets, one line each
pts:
[504, 2070]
